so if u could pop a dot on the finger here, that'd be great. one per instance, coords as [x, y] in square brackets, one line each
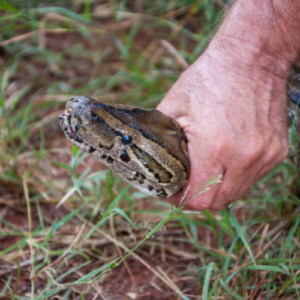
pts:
[256, 176]
[233, 182]
[239, 169]
[201, 172]
[237, 182]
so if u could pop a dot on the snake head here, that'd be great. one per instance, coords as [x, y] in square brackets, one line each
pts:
[65, 123]
[144, 146]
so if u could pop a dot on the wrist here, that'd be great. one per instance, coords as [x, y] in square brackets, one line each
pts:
[261, 34]
[238, 82]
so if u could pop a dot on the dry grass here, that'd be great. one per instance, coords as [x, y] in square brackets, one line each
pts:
[67, 223]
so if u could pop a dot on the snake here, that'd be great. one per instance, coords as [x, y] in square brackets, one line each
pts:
[145, 147]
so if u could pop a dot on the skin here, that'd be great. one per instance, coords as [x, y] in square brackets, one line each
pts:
[231, 102]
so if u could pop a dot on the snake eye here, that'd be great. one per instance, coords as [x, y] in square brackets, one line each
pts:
[126, 139]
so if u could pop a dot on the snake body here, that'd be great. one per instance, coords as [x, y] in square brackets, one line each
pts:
[293, 112]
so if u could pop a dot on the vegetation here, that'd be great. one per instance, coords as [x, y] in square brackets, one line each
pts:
[70, 229]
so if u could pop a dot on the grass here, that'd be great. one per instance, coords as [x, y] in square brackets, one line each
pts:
[67, 223]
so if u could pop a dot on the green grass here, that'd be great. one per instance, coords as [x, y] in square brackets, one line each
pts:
[105, 240]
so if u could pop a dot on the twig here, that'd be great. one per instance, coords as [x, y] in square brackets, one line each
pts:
[172, 50]
[29, 241]
[23, 264]
[31, 34]
[166, 276]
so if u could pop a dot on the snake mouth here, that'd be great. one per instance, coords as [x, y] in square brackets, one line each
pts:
[65, 123]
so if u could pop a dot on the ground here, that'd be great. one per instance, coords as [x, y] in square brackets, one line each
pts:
[66, 221]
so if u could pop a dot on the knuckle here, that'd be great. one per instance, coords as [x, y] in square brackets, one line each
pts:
[274, 152]
[277, 151]
[254, 148]
[285, 149]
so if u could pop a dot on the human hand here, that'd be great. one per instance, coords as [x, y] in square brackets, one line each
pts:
[233, 112]
[231, 102]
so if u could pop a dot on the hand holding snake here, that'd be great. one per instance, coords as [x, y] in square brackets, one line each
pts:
[231, 104]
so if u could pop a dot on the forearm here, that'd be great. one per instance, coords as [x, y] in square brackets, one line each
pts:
[264, 33]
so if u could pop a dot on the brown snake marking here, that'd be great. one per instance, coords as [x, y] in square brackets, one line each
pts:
[145, 147]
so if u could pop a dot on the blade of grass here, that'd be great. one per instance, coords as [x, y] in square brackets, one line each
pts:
[290, 237]
[268, 268]
[207, 280]
[231, 292]
[241, 235]
[116, 200]
[227, 260]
